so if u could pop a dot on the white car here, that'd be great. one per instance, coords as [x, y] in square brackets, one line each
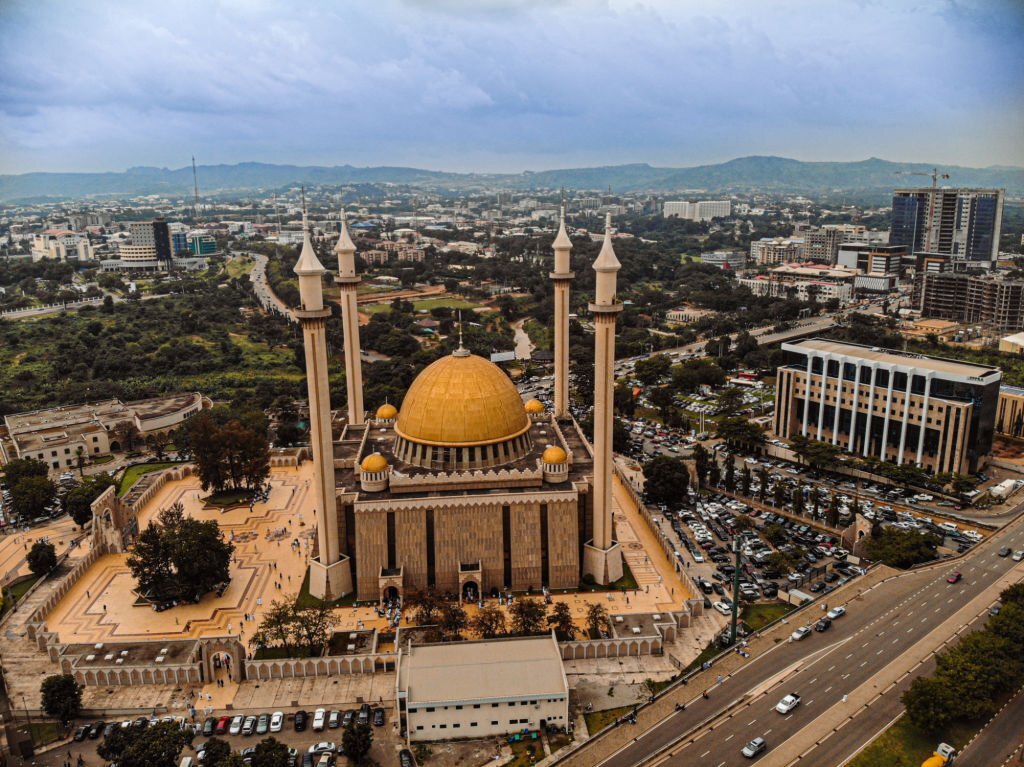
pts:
[723, 608]
[236, 725]
[788, 703]
[323, 747]
[1018, 555]
[836, 612]
[800, 633]
[319, 720]
[276, 721]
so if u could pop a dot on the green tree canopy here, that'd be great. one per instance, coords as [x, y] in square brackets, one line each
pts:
[158, 745]
[78, 501]
[901, 548]
[42, 558]
[62, 697]
[666, 479]
[230, 448]
[527, 616]
[357, 740]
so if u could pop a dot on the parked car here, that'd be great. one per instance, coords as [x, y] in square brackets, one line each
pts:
[301, 720]
[236, 725]
[96, 730]
[209, 726]
[82, 733]
[222, 725]
[334, 720]
[823, 625]
[800, 633]
[347, 717]
[319, 719]
[405, 758]
[378, 717]
[323, 747]
[263, 724]
[249, 725]
[836, 612]
[754, 747]
[276, 721]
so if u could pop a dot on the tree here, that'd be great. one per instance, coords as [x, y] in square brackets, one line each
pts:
[126, 432]
[931, 705]
[276, 629]
[270, 752]
[902, 548]
[42, 558]
[715, 474]
[217, 751]
[746, 480]
[31, 496]
[597, 619]
[798, 499]
[453, 620]
[762, 484]
[666, 479]
[652, 370]
[62, 697]
[158, 745]
[78, 501]
[357, 740]
[775, 534]
[313, 626]
[779, 495]
[527, 616]
[20, 468]
[489, 622]
[562, 622]
[729, 481]
[779, 561]
[427, 604]
[701, 463]
[180, 558]
[819, 455]
[230, 448]
[730, 400]
[833, 511]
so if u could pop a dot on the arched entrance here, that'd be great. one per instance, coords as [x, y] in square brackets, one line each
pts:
[470, 592]
[392, 596]
[223, 661]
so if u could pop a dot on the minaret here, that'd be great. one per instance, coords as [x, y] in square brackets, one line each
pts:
[329, 575]
[602, 557]
[348, 282]
[562, 277]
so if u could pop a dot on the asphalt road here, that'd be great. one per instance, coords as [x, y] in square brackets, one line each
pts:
[880, 626]
[1001, 740]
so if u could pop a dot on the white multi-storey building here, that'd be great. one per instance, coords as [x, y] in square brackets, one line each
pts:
[702, 210]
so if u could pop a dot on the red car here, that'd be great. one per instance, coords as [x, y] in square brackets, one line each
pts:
[954, 578]
[222, 725]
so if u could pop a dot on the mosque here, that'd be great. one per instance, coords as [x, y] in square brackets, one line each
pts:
[465, 489]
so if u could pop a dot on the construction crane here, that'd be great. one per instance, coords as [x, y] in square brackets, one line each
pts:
[934, 175]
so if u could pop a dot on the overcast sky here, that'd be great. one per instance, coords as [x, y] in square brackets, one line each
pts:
[507, 85]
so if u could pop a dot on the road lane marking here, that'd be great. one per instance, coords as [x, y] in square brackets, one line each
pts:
[729, 738]
[705, 754]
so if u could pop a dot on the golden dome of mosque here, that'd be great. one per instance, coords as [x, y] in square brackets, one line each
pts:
[534, 406]
[554, 454]
[386, 412]
[374, 463]
[461, 400]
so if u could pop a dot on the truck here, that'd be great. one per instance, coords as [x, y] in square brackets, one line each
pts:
[943, 756]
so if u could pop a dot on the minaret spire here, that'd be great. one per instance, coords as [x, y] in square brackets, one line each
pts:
[330, 571]
[348, 283]
[602, 556]
[562, 277]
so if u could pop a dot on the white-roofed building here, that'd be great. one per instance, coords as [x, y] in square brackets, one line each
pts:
[481, 689]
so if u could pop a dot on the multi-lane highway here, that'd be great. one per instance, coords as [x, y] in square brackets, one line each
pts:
[851, 674]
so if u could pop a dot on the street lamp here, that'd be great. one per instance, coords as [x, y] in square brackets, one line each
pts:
[735, 590]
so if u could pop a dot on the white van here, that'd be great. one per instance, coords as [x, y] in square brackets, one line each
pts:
[949, 527]
[186, 761]
[319, 719]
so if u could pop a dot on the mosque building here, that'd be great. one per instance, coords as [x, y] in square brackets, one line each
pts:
[464, 488]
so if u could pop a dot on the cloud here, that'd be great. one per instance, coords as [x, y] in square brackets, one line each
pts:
[506, 85]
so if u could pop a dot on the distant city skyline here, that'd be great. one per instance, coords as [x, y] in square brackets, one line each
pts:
[505, 86]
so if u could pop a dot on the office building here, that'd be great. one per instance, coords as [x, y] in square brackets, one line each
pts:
[970, 298]
[1010, 412]
[904, 408]
[60, 245]
[702, 210]
[730, 260]
[963, 223]
[152, 234]
[481, 689]
[804, 281]
[871, 259]
[822, 244]
[776, 250]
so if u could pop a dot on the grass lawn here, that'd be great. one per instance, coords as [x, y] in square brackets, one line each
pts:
[239, 266]
[102, 459]
[134, 473]
[903, 745]
[626, 583]
[305, 599]
[526, 752]
[598, 720]
[558, 742]
[425, 304]
[42, 732]
[758, 616]
[229, 497]
[16, 592]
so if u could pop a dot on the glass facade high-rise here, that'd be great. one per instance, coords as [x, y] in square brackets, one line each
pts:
[963, 223]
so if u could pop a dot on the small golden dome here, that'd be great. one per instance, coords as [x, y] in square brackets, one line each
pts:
[461, 400]
[374, 463]
[386, 412]
[554, 454]
[534, 407]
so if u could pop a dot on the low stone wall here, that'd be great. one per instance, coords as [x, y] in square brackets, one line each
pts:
[183, 673]
[35, 625]
[610, 648]
[293, 668]
[160, 479]
[288, 457]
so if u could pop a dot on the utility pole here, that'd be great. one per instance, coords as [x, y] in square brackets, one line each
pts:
[735, 590]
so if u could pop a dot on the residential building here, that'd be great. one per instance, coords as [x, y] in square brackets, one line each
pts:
[702, 210]
[943, 330]
[1010, 412]
[730, 260]
[57, 435]
[804, 280]
[481, 689]
[61, 244]
[899, 407]
[970, 298]
[776, 250]
[1012, 344]
[964, 223]
[822, 244]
